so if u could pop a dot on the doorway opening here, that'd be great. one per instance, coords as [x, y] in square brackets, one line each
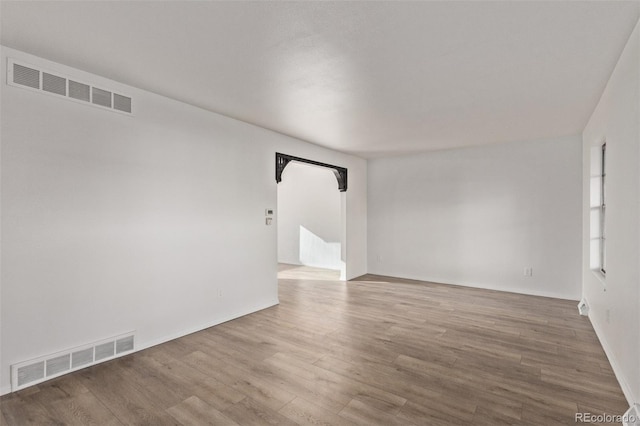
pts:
[311, 225]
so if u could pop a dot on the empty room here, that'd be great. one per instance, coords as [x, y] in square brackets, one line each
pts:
[319, 212]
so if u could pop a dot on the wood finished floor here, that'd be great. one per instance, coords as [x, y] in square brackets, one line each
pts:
[374, 351]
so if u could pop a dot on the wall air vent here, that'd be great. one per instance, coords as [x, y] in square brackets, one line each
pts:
[58, 365]
[54, 84]
[82, 358]
[47, 367]
[121, 103]
[79, 91]
[25, 76]
[101, 97]
[124, 345]
[30, 373]
[36, 79]
[105, 350]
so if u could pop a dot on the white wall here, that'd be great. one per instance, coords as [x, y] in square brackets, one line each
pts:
[113, 223]
[479, 216]
[309, 217]
[615, 302]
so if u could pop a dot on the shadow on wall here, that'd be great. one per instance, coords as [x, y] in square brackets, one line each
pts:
[316, 252]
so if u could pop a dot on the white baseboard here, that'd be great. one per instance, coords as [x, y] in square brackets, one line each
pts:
[145, 345]
[615, 365]
[217, 321]
[528, 292]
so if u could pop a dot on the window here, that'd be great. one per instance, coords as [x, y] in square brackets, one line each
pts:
[598, 258]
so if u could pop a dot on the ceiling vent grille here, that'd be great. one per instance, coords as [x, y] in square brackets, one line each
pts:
[29, 77]
[32, 372]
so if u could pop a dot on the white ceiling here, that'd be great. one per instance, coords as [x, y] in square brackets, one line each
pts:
[369, 78]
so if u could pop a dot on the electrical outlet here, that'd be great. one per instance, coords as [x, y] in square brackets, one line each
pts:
[528, 271]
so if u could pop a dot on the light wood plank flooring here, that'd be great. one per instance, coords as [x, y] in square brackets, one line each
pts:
[373, 351]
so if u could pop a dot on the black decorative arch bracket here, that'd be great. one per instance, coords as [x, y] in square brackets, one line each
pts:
[282, 160]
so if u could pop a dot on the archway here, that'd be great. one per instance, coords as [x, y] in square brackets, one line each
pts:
[311, 217]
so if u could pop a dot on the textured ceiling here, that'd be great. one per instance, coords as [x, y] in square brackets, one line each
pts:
[369, 78]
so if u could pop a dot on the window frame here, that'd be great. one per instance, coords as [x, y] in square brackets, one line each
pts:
[603, 208]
